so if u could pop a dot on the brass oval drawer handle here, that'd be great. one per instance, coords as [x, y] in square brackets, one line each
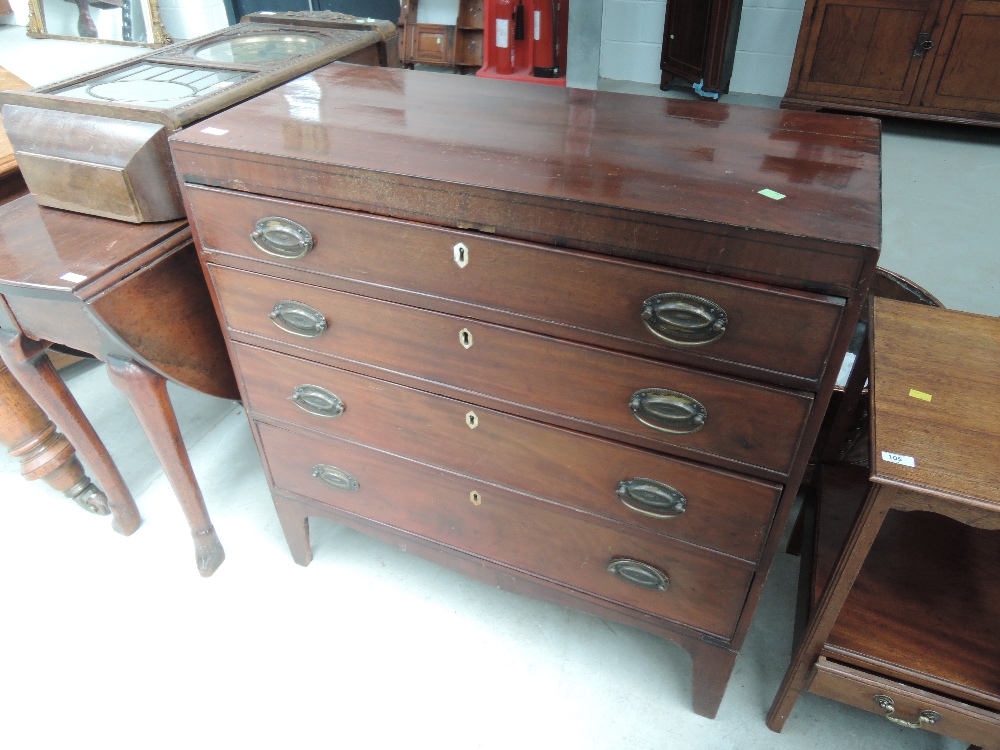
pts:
[651, 498]
[281, 237]
[684, 319]
[336, 478]
[668, 411]
[298, 318]
[639, 574]
[925, 717]
[316, 400]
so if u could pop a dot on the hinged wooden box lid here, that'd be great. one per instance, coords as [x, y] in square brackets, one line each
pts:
[786, 197]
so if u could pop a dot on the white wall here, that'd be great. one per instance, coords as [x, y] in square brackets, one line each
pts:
[20, 8]
[766, 46]
[632, 32]
[186, 19]
[631, 37]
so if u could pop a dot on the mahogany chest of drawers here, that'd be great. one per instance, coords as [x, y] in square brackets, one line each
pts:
[556, 339]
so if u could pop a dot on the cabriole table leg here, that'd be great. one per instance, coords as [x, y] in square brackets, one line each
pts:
[147, 393]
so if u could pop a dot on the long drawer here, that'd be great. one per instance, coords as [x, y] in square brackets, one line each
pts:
[667, 579]
[642, 401]
[718, 509]
[631, 306]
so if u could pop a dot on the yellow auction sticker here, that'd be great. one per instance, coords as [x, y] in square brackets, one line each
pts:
[920, 394]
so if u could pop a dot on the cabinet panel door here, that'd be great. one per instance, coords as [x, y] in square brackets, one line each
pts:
[685, 39]
[966, 72]
[699, 41]
[864, 49]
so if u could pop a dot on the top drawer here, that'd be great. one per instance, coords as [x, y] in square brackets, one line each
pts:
[770, 333]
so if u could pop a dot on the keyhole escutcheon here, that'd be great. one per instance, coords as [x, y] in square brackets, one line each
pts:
[475, 498]
[472, 420]
[461, 255]
[465, 337]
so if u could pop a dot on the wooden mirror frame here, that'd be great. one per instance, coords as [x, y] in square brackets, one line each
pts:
[151, 16]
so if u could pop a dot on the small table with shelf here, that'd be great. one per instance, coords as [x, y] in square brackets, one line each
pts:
[909, 622]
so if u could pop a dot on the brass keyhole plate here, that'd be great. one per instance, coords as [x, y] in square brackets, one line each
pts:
[472, 420]
[465, 337]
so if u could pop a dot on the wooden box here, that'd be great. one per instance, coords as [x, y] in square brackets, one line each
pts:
[97, 143]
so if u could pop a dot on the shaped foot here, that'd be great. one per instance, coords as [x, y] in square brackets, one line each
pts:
[208, 551]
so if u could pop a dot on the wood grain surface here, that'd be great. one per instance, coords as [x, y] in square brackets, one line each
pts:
[8, 82]
[63, 242]
[749, 426]
[724, 511]
[771, 333]
[706, 590]
[937, 399]
[924, 609]
[579, 159]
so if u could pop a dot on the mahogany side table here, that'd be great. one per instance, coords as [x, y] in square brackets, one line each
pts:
[25, 431]
[134, 297]
[908, 624]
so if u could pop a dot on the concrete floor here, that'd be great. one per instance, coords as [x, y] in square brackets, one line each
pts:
[118, 642]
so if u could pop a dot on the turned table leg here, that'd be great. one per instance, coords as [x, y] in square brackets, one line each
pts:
[147, 393]
[44, 453]
[28, 362]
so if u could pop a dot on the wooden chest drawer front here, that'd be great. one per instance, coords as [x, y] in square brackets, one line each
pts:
[867, 691]
[717, 509]
[746, 423]
[705, 590]
[770, 329]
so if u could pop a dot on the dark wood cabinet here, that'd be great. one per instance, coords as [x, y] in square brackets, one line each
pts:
[585, 364]
[459, 45]
[966, 72]
[699, 44]
[932, 59]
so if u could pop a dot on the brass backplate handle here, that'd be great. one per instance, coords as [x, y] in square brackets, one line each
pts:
[298, 318]
[668, 411]
[651, 498]
[316, 400]
[640, 574]
[281, 238]
[924, 717]
[336, 478]
[684, 319]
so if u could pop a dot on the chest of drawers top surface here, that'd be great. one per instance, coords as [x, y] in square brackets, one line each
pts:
[632, 176]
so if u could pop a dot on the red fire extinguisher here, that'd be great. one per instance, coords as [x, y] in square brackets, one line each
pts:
[503, 41]
[546, 40]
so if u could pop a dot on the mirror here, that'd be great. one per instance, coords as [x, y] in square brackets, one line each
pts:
[133, 22]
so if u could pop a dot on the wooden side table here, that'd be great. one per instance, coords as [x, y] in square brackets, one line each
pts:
[134, 297]
[908, 624]
[25, 431]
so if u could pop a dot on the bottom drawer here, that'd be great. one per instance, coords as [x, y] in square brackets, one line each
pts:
[941, 714]
[699, 588]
